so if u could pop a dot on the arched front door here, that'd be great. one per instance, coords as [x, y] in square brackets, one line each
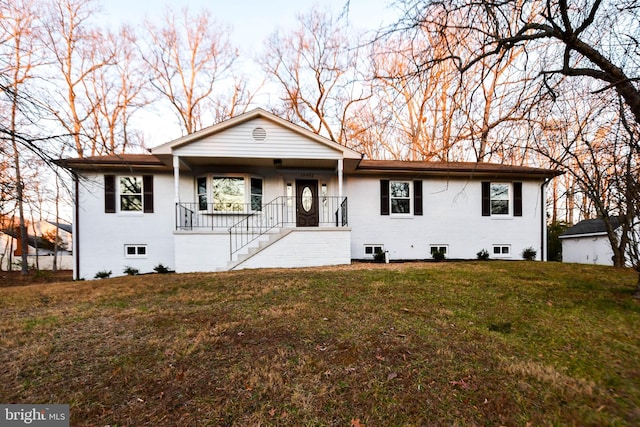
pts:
[307, 212]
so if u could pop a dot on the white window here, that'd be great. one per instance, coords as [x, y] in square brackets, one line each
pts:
[443, 249]
[501, 250]
[130, 189]
[499, 199]
[228, 194]
[371, 250]
[256, 194]
[201, 190]
[236, 194]
[400, 197]
[135, 251]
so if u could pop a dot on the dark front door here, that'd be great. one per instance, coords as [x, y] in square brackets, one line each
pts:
[307, 203]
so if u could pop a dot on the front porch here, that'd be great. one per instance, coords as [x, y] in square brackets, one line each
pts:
[258, 191]
[289, 231]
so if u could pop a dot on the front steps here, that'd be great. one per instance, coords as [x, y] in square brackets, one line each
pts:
[255, 247]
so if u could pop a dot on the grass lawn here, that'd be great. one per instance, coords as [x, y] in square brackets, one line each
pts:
[473, 343]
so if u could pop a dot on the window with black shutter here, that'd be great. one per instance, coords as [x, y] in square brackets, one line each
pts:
[109, 193]
[384, 197]
[517, 199]
[400, 197]
[417, 197]
[147, 188]
[486, 198]
[128, 194]
[499, 197]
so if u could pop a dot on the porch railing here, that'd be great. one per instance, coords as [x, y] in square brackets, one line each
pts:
[245, 224]
[211, 216]
[281, 212]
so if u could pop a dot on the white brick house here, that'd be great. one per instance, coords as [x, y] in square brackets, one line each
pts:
[257, 191]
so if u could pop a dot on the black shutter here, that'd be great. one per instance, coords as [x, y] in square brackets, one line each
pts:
[417, 197]
[384, 197]
[109, 194]
[517, 199]
[147, 188]
[486, 198]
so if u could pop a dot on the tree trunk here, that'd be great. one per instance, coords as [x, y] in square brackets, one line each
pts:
[19, 184]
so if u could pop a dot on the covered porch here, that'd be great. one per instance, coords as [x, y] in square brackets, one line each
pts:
[267, 192]
[257, 213]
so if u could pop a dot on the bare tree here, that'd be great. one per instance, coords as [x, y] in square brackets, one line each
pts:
[77, 51]
[119, 90]
[17, 25]
[583, 38]
[594, 44]
[443, 114]
[189, 58]
[315, 69]
[595, 145]
[420, 106]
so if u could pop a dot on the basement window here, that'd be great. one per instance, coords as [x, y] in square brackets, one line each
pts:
[501, 250]
[443, 249]
[135, 251]
[371, 250]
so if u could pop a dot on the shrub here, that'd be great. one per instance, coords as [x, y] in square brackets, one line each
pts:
[104, 274]
[438, 255]
[161, 269]
[130, 271]
[379, 256]
[529, 254]
[554, 247]
[483, 255]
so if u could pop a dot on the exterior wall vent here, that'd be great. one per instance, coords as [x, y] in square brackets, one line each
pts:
[259, 134]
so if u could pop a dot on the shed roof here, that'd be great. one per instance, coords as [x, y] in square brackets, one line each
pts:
[590, 227]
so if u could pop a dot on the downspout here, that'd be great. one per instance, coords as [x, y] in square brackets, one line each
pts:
[76, 227]
[543, 220]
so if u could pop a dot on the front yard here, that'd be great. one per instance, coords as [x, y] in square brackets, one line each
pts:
[485, 343]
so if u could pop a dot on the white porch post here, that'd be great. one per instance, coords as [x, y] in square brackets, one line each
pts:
[176, 178]
[340, 169]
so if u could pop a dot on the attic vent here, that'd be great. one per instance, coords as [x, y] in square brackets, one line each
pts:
[259, 134]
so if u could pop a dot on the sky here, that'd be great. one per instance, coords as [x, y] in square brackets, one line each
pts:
[251, 22]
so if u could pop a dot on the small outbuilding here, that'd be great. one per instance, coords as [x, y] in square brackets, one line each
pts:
[587, 242]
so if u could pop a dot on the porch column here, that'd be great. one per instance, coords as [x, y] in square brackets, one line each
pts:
[340, 168]
[176, 178]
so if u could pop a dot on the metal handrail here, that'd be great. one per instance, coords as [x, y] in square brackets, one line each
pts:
[252, 226]
[281, 212]
[245, 223]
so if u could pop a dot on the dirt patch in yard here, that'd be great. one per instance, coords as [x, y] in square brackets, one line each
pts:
[16, 278]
